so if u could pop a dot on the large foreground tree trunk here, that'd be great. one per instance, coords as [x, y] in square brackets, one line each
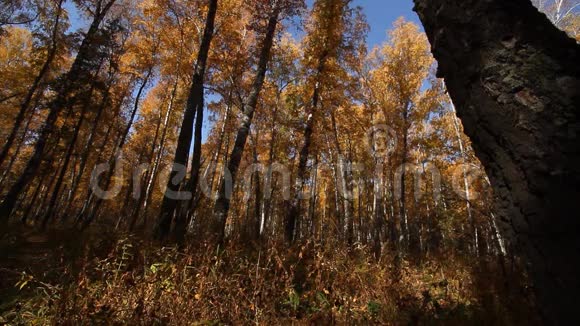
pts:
[515, 81]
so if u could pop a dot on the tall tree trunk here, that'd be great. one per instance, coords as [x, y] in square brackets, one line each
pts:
[144, 178]
[35, 85]
[40, 204]
[155, 160]
[268, 188]
[338, 204]
[194, 104]
[117, 150]
[79, 70]
[256, 223]
[112, 128]
[68, 155]
[183, 217]
[49, 212]
[19, 145]
[293, 215]
[86, 150]
[33, 198]
[343, 183]
[214, 162]
[515, 81]
[378, 204]
[222, 204]
[313, 198]
[393, 221]
[155, 171]
[403, 214]
[470, 217]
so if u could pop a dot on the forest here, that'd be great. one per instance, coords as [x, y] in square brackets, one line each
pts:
[233, 162]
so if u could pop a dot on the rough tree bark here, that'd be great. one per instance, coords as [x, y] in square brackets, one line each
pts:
[515, 81]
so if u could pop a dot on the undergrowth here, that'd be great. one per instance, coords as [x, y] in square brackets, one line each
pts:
[132, 282]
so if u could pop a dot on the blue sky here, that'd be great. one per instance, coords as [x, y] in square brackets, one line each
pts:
[382, 13]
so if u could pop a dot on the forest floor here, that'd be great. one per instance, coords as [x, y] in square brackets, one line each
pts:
[63, 277]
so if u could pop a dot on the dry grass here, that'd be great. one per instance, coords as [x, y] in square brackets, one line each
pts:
[131, 282]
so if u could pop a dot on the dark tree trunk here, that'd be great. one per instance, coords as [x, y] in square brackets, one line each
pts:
[35, 85]
[86, 151]
[268, 186]
[343, 182]
[194, 104]
[80, 71]
[182, 217]
[258, 195]
[68, 155]
[117, 150]
[111, 133]
[19, 145]
[49, 212]
[222, 204]
[292, 218]
[114, 134]
[155, 171]
[151, 170]
[515, 81]
[402, 195]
